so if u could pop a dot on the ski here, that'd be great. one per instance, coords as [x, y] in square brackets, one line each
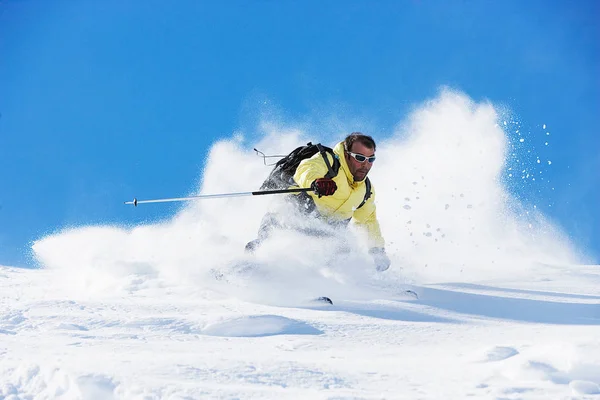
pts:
[323, 299]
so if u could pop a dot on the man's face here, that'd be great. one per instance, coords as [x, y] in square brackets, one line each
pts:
[359, 169]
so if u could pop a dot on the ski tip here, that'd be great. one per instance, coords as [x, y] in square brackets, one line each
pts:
[324, 299]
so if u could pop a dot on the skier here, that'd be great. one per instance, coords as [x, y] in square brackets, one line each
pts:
[340, 192]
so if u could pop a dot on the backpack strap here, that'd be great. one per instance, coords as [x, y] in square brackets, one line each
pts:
[332, 170]
[367, 193]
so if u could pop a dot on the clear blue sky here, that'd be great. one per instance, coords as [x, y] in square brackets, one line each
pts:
[104, 100]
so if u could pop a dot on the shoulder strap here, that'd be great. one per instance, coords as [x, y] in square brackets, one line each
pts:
[367, 193]
[332, 170]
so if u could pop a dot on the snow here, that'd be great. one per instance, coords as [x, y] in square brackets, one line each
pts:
[459, 340]
[260, 325]
[508, 307]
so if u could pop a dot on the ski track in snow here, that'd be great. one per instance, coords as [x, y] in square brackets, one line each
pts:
[485, 342]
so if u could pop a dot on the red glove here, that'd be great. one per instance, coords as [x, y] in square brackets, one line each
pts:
[323, 186]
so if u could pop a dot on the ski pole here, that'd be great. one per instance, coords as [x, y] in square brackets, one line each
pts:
[135, 201]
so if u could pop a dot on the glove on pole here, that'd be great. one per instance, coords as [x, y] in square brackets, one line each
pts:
[323, 186]
[382, 261]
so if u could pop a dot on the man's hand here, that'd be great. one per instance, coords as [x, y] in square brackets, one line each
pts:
[323, 186]
[382, 261]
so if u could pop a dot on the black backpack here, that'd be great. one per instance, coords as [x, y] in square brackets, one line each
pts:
[282, 175]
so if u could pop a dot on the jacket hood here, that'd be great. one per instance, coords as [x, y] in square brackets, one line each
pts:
[339, 150]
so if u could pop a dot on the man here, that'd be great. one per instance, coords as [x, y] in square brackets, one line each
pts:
[339, 199]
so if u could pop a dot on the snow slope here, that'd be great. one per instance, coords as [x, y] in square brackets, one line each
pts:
[508, 308]
[459, 341]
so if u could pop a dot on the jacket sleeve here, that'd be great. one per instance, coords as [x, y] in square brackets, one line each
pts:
[366, 217]
[311, 169]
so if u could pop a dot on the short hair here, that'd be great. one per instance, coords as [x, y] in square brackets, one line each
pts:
[365, 140]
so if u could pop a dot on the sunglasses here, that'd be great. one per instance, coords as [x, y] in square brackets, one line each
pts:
[361, 158]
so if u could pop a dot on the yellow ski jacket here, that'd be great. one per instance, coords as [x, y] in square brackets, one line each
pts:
[342, 205]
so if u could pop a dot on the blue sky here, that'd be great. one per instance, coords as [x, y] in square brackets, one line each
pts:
[104, 100]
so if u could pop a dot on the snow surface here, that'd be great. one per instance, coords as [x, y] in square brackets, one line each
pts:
[508, 308]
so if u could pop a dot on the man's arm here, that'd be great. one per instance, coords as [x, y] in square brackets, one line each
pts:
[366, 216]
[311, 169]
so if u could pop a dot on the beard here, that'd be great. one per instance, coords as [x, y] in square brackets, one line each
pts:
[360, 174]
